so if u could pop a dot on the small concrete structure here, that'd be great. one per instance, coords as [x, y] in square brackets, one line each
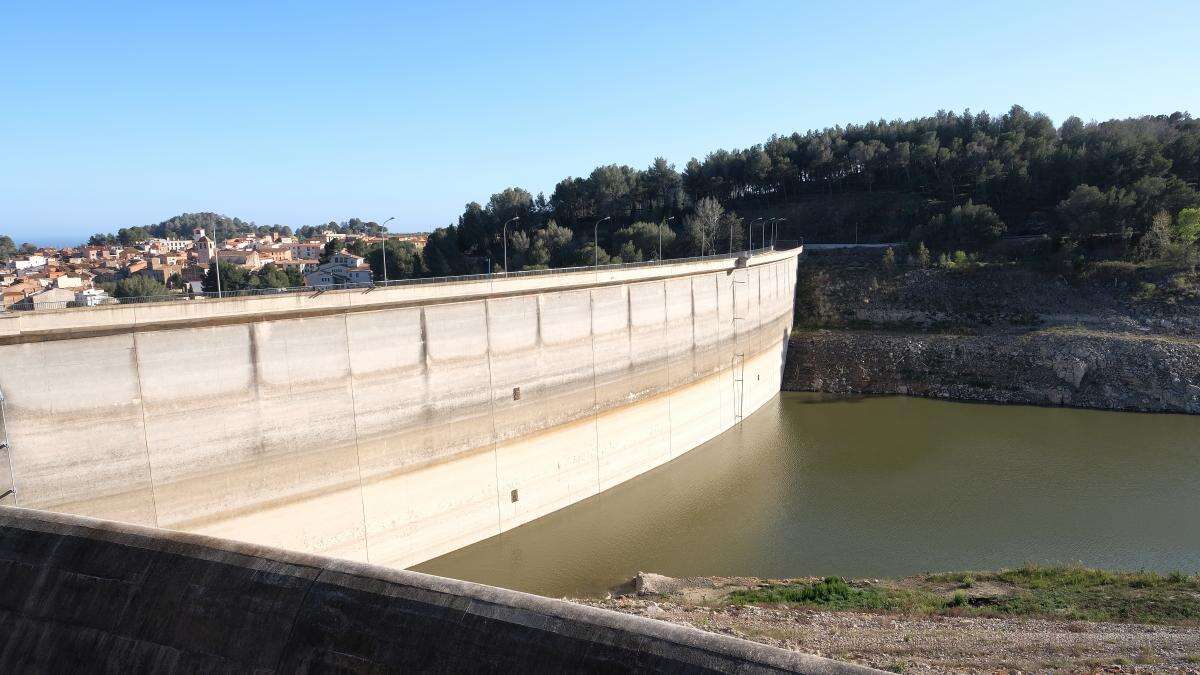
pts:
[82, 595]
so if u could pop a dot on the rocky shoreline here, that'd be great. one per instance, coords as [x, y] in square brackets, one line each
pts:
[1064, 366]
[946, 641]
[997, 333]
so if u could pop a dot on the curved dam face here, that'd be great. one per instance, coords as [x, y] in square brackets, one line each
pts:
[81, 595]
[391, 425]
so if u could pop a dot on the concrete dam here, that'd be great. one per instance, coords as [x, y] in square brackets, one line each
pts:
[389, 425]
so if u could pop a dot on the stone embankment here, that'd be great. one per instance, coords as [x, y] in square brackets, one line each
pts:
[1063, 366]
[1003, 333]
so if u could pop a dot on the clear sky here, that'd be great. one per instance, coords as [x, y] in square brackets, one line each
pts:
[119, 114]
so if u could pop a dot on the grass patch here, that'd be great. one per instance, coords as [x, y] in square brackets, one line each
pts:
[830, 592]
[1070, 593]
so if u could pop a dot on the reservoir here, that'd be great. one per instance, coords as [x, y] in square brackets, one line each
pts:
[875, 487]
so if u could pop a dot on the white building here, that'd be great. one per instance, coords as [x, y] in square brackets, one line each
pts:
[342, 269]
[319, 278]
[91, 297]
[306, 250]
[348, 260]
[29, 262]
[170, 245]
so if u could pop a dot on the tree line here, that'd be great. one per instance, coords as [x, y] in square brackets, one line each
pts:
[955, 181]
[220, 228]
[952, 180]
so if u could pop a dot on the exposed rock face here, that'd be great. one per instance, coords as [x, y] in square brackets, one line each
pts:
[1000, 332]
[1061, 366]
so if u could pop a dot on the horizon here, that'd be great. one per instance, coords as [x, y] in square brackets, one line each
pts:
[310, 114]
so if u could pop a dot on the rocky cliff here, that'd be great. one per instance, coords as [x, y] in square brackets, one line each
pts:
[1072, 367]
[997, 333]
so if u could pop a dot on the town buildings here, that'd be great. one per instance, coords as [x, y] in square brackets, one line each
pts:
[87, 276]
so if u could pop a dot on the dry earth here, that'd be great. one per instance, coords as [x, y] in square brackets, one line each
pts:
[913, 642]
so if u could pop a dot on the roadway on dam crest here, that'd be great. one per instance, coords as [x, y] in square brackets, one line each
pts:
[388, 426]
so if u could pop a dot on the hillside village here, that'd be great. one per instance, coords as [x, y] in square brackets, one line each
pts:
[91, 275]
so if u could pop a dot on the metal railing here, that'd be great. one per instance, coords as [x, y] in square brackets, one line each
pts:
[29, 305]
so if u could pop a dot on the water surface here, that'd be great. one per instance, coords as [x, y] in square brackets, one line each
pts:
[876, 487]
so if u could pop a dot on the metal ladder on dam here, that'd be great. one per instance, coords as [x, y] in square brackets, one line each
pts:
[738, 360]
[739, 385]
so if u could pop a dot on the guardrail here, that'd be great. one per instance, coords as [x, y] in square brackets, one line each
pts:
[28, 305]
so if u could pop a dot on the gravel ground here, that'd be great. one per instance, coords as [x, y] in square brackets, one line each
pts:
[934, 643]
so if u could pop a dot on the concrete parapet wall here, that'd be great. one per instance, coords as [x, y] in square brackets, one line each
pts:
[388, 426]
[80, 595]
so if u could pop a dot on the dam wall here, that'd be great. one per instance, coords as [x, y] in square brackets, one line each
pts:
[81, 595]
[390, 425]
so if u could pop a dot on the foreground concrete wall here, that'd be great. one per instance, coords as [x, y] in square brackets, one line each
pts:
[388, 431]
[80, 595]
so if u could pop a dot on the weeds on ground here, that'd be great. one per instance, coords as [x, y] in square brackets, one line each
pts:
[1071, 593]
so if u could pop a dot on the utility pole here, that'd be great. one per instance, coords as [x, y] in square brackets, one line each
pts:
[504, 237]
[383, 247]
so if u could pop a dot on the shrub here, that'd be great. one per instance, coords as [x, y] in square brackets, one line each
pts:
[831, 592]
[813, 306]
[1187, 226]
[889, 261]
[922, 255]
[970, 226]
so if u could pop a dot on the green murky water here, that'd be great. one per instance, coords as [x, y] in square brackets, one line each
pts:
[876, 487]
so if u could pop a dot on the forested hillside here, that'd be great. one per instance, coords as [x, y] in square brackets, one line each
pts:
[222, 228]
[954, 181]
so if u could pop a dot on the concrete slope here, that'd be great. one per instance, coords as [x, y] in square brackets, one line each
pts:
[392, 425]
[84, 595]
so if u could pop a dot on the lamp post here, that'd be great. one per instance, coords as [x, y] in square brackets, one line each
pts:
[383, 248]
[775, 230]
[217, 256]
[763, 239]
[596, 241]
[750, 234]
[660, 229]
[504, 237]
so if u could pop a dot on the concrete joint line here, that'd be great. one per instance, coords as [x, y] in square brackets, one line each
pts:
[362, 498]
[137, 373]
[595, 388]
[491, 393]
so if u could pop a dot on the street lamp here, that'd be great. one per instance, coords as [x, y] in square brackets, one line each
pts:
[775, 230]
[596, 241]
[217, 256]
[383, 247]
[750, 233]
[504, 236]
[660, 229]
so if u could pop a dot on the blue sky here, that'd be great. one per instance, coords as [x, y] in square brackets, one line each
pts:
[121, 114]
